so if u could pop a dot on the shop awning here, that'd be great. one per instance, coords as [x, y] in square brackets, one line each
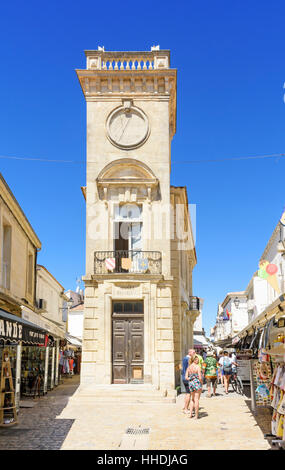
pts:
[73, 340]
[16, 329]
[200, 341]
[276, 309]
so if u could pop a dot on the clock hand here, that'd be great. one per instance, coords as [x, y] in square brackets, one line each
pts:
[127, 122]
[122, 125]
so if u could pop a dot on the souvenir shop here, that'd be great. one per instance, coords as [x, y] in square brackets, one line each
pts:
[69, 356]
[29, 358]
[262, 345]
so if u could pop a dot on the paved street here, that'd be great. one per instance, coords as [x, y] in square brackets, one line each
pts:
[38, 428]
[225, 423]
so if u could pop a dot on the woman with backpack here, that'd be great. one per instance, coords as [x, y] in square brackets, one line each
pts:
[226, 366]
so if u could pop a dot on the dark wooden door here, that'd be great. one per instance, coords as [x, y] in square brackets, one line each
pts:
[128, 349]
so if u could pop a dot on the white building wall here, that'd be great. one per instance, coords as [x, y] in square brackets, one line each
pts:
[75, 324]
[50, 290]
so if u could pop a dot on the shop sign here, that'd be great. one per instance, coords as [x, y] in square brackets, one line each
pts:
[11, 330]
[18, 331]
[243, 369]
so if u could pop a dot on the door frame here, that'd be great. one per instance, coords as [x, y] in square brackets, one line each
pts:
[127, 316]
[105, 362]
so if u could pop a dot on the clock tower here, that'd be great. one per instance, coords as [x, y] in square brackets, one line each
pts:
[132, 331]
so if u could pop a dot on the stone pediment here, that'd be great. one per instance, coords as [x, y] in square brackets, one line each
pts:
[127, 171]
[129, 178]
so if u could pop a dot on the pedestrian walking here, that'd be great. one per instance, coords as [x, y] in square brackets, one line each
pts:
[185, 365]
[226, 365]
[234, 364]
[221, 373]
[193, 353]
[194, 375]
[210, 367]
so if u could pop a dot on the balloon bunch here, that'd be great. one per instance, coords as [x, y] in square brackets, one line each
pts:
[268, 271]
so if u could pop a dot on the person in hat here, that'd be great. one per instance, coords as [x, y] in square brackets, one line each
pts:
[210, 367]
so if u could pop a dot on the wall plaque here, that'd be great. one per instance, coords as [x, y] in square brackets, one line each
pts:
[126, 290]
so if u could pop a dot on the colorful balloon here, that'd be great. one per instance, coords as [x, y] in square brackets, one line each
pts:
[263, 264]
[271, 269]
[262, 274]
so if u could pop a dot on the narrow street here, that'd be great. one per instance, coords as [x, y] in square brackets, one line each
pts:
[39, 428]
[225, 423]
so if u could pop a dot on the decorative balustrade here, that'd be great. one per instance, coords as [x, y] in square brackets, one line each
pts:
[103, 60]
[127, 261]
[121, 64]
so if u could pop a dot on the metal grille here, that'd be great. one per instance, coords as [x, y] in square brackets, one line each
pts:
[136, 431]
[136, 261]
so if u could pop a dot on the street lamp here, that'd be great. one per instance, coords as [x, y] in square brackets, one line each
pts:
[69, 304]
[237, 302]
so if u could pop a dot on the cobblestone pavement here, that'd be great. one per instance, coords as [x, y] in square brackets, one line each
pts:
[38, 428]
[225, 423]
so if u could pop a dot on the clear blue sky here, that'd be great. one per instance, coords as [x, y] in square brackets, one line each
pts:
[231, 70]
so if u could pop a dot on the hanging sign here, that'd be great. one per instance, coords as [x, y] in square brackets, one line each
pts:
[126, 263]
[243, 369]
[18, 330]
[110, 263]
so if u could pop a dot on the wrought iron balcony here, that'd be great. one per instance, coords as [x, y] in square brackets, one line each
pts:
[127, 261]
[194, 303]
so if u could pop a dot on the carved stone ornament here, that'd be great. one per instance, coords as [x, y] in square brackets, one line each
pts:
[127, 126]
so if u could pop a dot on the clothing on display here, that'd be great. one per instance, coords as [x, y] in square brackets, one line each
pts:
[67, 362]
[277, 396]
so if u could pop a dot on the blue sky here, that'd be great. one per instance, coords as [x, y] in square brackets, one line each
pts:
[231, 71]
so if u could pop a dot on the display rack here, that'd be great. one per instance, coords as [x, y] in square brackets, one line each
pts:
[8, 413]
[32, 377]
[50, 378]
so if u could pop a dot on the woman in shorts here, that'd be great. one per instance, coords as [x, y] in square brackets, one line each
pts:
[194, 375]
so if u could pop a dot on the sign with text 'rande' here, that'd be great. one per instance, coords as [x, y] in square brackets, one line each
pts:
[15, 329]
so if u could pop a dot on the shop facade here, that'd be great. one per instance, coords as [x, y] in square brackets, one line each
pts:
[261, 354]
[33, 354]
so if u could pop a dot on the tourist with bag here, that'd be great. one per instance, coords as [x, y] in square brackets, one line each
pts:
[226, 366]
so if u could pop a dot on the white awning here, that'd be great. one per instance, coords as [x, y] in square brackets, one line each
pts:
[200, 341]
[73, 340]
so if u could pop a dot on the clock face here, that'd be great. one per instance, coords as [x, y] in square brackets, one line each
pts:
[127, 127]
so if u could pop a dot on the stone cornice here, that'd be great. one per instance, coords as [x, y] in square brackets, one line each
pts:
[100, 85]
[17, 212]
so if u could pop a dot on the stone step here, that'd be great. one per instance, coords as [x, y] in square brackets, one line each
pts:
[95, 399]
[111, 394]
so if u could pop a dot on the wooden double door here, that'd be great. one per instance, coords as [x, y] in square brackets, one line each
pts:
[128, 342]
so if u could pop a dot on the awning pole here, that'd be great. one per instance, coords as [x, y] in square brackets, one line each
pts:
[252, 389]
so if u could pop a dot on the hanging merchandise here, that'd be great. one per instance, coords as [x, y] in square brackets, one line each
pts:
[33, 371]
[66, 362]
[262, 380]
[277, 390]
[8, 413]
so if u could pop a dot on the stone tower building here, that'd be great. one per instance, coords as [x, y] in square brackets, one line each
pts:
[139, 310]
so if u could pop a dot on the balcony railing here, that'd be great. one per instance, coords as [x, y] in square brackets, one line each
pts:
[194, 303]
[127, 261]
